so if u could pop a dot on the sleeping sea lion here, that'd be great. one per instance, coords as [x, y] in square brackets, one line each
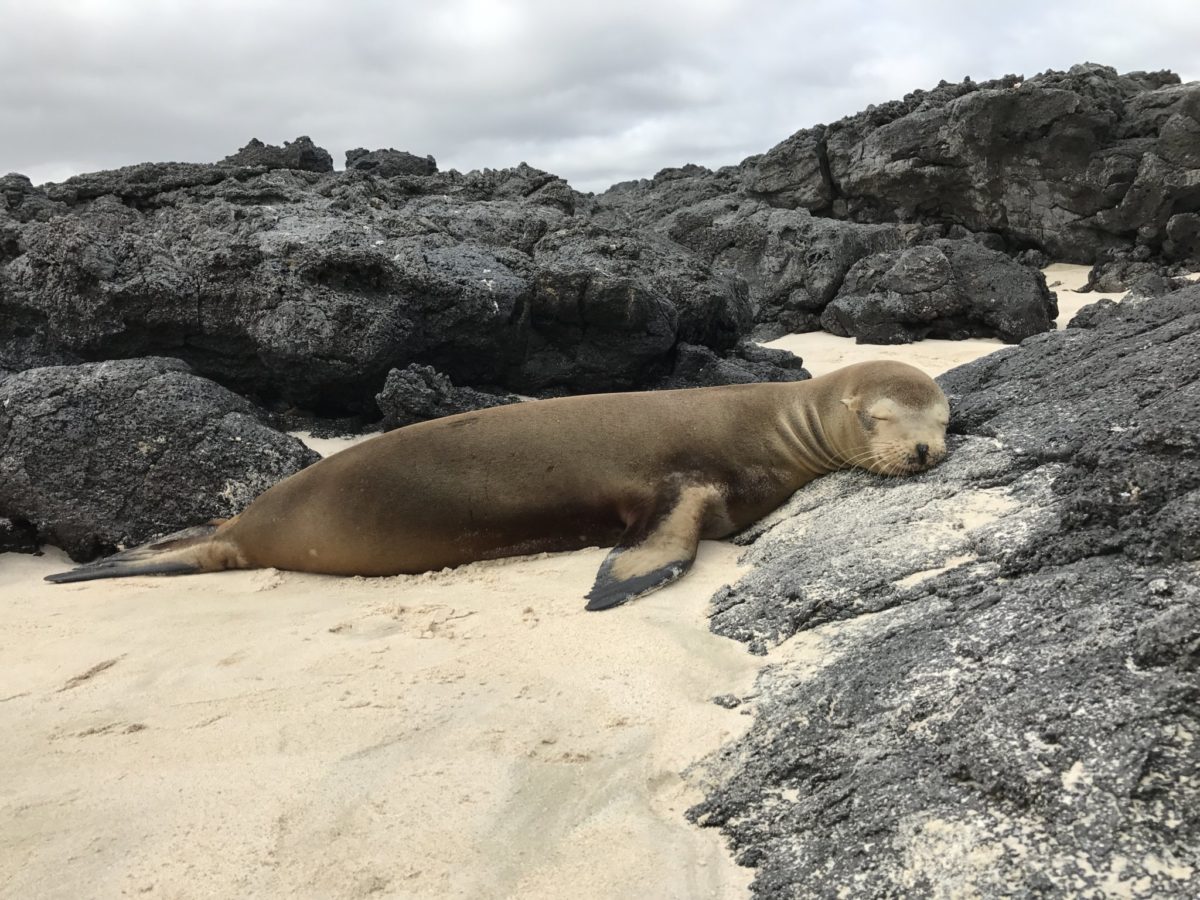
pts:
[649, 474]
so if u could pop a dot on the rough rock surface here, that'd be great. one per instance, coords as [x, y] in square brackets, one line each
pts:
[112, 454]
[1135, 270]
[1006, 703]
[697, 366]
[796, 266]
[1070, 164]
[301, 154]
[306, 288]
[948, 289]
[1073, 163]
[279, 278]
[418, 393]
[390, 163]
[792, 261]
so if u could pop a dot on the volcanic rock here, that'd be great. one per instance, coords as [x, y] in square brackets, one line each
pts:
[1010, 643]
[949, 289]
[107, 455]
[300, 154]
[697, 366]
[418, 393]
[390, 163]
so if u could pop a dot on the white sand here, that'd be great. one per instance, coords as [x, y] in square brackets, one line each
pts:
[326, 446]
[474, 734]
[1065, 279]
[824, 352]
[464, 734]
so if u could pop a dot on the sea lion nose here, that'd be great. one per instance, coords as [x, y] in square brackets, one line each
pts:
[922, 452]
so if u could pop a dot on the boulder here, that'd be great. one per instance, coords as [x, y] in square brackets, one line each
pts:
[1009, 644]
[107, 455]
[389, 163]
[300, 154]
[1071, 164]
[697, 366]
[20, 201]
[1074, 163]
[419, 393]
[948, 289]
[306, 289]
[1134, 270]
[607, 310]
[792, 262]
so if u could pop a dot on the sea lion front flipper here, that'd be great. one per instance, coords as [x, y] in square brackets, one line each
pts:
[654, 551]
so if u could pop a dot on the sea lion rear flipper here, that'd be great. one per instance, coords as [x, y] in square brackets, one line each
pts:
[160, 557]
[654, 551]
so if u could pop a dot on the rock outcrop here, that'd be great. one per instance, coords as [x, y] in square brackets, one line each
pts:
[301, 154]
[390, 163]
[419, 393]
[947, 289]
[307, 288]
[104, 455]
[280, 278]
[1011, 642]
[1074, 163]
[697, 366]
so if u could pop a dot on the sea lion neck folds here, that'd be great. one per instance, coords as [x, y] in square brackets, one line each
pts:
[649, 474]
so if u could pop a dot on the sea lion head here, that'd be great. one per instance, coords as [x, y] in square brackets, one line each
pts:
[899, 418]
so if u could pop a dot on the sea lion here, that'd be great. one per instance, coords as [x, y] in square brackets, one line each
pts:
[649, 474]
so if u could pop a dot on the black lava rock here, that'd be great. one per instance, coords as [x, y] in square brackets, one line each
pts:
[1009, 694]
[300, 154]
[107, 455]
[418, 393]
[697, 366]
[390, 163]
[949, 289]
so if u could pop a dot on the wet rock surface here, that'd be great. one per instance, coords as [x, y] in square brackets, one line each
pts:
[103, 455]
[1006, 698]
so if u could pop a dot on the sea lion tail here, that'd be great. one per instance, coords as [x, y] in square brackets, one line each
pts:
[190, 550]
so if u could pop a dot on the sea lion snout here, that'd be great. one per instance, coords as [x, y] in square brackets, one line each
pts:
[925, 457]
[898, 454]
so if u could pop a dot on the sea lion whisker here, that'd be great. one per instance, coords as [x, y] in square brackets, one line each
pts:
[858, 458]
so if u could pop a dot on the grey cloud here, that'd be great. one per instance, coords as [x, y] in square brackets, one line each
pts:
[594, 93]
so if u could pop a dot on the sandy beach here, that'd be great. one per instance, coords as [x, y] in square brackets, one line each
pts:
[472, 733]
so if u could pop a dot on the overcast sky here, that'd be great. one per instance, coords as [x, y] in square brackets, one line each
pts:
[594, 92]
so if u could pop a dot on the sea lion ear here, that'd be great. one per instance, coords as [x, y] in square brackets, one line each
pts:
[851, 403]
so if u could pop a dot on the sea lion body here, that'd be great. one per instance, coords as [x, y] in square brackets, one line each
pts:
[651, 472]
[475, 486]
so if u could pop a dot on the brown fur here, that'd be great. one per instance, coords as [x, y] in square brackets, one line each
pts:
[576, 472]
